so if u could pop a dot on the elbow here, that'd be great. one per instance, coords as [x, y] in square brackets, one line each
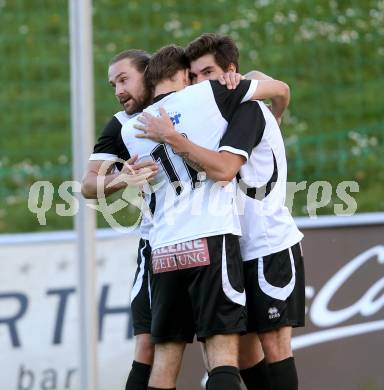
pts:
[228, 170]
[251, 75]
[227, 177]
[285, 91]
[224, 176]
[87, 190]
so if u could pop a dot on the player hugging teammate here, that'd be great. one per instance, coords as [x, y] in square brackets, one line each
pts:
[227, 267]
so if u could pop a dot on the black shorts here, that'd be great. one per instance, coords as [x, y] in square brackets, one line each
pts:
[204, 300]
[275, 289]
[140, 293]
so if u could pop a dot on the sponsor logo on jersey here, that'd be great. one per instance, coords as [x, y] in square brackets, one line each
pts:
[187, 254]
[175, 118]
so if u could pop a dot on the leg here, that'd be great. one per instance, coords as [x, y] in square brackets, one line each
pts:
[144, 349]
[222, 350]
[253, 367]
[218, 297]
[141, 366]
[205, 357]
[277, 348]
[172, 327]
[166, 365]
[251, 351]
[276, 300]
[277, 344]
[222, 356]
[141, 315]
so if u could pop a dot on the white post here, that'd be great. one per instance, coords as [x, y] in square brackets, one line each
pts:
[82, 111]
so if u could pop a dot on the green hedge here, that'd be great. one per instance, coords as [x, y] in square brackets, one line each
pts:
[331, 54]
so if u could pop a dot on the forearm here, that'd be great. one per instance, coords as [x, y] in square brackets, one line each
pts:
[199, 158]
[278, 106]
[95, 186]
[277, 91]
[257, 75]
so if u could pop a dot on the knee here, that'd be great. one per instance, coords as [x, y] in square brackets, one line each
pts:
[251, 352]
[145, 349]
[275, 347]
[222, 350]
[248, 360]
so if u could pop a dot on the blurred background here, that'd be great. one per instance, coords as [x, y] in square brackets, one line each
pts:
[331, 53]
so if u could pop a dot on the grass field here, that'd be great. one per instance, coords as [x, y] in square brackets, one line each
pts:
[330, 53]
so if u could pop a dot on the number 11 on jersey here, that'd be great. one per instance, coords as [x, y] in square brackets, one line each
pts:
[160, 155]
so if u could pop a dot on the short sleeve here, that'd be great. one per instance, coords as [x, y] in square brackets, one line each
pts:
[228, 100]
[245, 130]
[110, 145]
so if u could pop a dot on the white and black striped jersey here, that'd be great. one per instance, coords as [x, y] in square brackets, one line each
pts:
[189, 206]
[110, 147]
[266, 223]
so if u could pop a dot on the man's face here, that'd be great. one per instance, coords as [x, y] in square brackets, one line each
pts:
[205, 68]
[129, 86]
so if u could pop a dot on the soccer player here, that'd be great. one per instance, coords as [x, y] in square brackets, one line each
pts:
[125, 75]
[195, 260]
[273, 264]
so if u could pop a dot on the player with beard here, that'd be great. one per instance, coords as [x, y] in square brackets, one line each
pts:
[125, 75]
[270, 245]
[208, 298]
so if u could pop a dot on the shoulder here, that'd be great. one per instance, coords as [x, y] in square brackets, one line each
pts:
[123, 117]
[195, 95]
[112, 128]
[128, 130]
[197, 88]
[249, 111]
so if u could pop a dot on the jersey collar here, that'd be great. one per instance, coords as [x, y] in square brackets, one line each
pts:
[161, 96]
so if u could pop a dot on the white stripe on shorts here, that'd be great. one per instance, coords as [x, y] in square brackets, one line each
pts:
[139, 280]
[281, 293]
[229, 291]
[149, 290]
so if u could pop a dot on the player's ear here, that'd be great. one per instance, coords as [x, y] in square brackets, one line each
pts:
[187, 80]
[231, 68]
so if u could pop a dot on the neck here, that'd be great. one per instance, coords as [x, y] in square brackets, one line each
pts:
[167, 86]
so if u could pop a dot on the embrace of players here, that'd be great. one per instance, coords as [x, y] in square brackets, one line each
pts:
[219, 256]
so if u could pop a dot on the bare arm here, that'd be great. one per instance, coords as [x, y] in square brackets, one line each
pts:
[279, 101]
[257, 75]
[268, 88]
[91, 188]
[100, 181]
[278, 104]
[219, 166]
[278, 92]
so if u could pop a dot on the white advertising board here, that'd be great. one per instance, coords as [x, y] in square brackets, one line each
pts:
[38, 314]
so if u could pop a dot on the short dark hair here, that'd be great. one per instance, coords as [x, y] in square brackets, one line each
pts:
[164, 64]
[139, 58]
[222, 47]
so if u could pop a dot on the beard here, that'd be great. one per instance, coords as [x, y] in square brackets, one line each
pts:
[132, 105]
